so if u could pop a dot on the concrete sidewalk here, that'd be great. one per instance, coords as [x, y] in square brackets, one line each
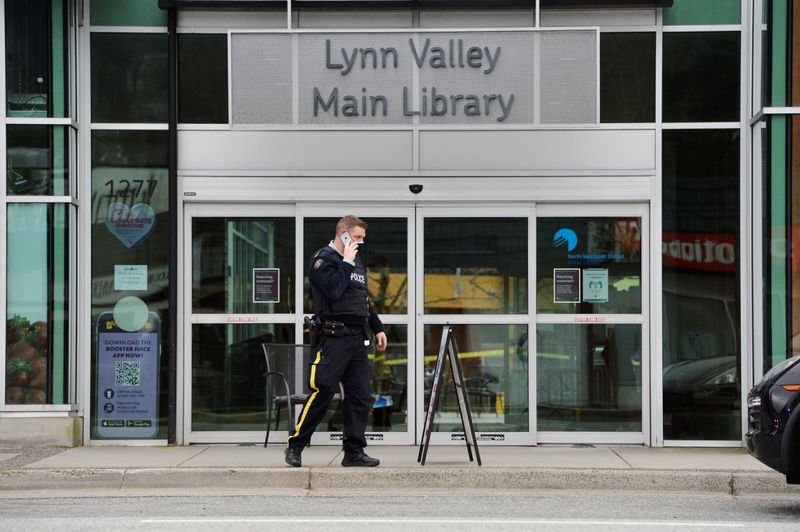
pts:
[222, 467]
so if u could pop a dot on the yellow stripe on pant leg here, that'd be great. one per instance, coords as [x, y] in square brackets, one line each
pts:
[310, 399]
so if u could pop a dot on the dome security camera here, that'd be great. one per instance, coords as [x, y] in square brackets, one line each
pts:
[415, 189]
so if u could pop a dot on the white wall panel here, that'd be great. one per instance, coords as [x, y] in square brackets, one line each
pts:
[355, 20]
[597, 150]
[225, 20]
[476, 19]
[570, 18]
[320, 151]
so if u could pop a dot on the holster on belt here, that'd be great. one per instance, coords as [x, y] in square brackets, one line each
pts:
[313, 326]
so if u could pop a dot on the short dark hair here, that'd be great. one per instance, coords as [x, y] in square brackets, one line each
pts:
[349, 222]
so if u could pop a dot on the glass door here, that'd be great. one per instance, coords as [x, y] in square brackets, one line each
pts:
[388, 255]
[246, 284]
[227, 251]
[473, 268]
[592, 332]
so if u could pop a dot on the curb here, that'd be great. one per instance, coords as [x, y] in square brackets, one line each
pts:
[454, 478]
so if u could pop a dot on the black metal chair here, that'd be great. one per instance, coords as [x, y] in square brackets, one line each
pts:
[280, 360]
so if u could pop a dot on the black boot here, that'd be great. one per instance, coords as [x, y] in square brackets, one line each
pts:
[359, 460]
[293, 456]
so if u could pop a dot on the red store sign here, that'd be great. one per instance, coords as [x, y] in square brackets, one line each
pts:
[699, 251]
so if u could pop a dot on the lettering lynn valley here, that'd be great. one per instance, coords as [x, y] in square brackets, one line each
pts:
[450, 54]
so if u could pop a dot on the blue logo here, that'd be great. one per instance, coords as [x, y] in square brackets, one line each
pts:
[566, 236]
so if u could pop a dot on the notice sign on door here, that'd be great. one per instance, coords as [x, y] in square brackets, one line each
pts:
[595, 285]
[566, 285]
[127, 379]
[266, 285]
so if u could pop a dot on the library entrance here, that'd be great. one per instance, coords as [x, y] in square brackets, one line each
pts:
[549, 305]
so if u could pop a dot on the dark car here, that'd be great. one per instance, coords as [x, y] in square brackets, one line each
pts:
[774, 420]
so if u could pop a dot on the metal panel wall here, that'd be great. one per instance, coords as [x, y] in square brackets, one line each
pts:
[598, 150]
[313, 151]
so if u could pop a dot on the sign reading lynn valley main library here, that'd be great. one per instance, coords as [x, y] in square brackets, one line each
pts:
[415, 78]
[453, 54]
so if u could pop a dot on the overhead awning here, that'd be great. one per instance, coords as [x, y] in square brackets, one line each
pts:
[406, 4]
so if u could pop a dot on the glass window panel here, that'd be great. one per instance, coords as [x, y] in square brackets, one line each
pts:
[129, 77]
[36, 58]
[127, 13]
[476, 265]
[599, 259]
[229, 375]
[385, 256]
[390, 382]
[36, 304]
[589, 378]
[225, 252]
[37, 160]
[780, 75]
[694, 12]
[202, 78]
[777, 313]
[130, 227]
[627, 77]
[701, 284]
[495, 363]
[701, 77]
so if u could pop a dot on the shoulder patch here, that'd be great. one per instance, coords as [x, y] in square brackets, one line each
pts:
[317, 264]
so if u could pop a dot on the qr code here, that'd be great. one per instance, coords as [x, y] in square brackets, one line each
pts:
[128, 374]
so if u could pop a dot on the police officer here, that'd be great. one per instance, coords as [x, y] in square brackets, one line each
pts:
[341, 302]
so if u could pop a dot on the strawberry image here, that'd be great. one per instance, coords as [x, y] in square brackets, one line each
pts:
[39, 381]
[18, 372]
[35, 397]
[38, 365]
[37, 334]
[16, 328]
[22, 350]
[15, 395]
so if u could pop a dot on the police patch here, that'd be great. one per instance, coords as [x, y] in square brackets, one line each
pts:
[318, 264]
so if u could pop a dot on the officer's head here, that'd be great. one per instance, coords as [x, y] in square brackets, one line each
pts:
[354, 225]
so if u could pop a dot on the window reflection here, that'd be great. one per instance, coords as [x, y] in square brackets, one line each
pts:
[701, 77]
[129, 77]
[36, 59]
[476, 265]
[390, 382]
[701, 291]
[627, 77]
[202, 78]
[229, 255]
[589, 377]
[605, 256]
[229, 375]
[36, 304]
[130, 227]
[495, 363]
[37, 160]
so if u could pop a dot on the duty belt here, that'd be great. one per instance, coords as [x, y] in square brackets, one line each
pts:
[337, 328]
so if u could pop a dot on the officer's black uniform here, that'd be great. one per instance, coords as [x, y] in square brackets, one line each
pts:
[340, 297]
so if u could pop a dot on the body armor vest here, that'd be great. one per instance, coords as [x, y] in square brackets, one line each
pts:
[355, 299]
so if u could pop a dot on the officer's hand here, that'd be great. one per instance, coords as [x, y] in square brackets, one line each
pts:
[380, 341]
[350, 251]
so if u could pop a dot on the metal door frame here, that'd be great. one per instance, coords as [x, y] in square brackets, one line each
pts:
[297, 212]
[577, 210]
[482, 210]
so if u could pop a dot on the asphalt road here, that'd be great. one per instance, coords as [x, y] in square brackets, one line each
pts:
[351, 511]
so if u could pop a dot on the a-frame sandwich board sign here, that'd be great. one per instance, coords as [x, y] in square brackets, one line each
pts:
[449, 350]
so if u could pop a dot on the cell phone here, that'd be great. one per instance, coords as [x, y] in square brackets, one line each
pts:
[345, 238]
